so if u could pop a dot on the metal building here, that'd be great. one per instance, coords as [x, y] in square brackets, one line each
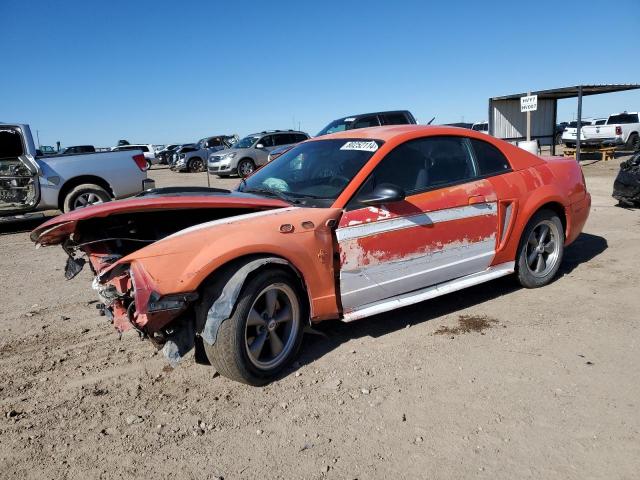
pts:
[507, 122]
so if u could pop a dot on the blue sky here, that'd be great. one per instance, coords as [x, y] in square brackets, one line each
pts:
[94, 71]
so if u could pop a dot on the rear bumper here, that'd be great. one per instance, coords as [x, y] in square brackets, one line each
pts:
[595, 142]
[148, 184]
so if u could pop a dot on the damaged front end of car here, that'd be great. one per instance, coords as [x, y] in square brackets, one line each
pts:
[128, 299]
[114, 239]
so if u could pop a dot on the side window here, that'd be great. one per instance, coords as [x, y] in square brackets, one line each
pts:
[267, 141]
[424, 164]
[490, 159]
[214, 142]
[394, 119]
[283, 139]
[364, 122]
[144, 148]
[300, 137]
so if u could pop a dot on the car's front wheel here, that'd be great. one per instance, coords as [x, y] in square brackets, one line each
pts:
[265, 331]
[633, 143]
[541, 250]
[246, 167]
[196, 165]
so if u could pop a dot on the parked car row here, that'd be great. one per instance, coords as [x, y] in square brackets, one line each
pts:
[194, 157]
[257, 149]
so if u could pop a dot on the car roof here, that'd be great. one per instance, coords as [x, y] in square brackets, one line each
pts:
[266, 132]
[372, 113]
[389, 132]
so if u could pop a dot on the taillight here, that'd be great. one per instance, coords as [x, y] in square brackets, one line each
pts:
[618, 130]
[141, 162]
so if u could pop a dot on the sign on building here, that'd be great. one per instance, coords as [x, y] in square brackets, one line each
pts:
[529, 103]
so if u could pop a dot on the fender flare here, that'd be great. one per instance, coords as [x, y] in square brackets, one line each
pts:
[222, 307]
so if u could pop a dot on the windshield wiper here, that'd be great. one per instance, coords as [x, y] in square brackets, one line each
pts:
[274, 193]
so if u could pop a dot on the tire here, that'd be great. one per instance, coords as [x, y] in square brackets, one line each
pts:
[195, 165]
[84, 195]
[633, 142]
[559, 139]
[246, 167]
[235, 353]
[539, 257]
[149, 165]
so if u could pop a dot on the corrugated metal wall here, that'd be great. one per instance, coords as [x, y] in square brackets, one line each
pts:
[506, 121]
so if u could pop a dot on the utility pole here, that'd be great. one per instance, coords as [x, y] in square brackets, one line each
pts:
[528, 121]
[579, 124]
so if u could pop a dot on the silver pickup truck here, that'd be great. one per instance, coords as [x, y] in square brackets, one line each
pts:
[30, 182]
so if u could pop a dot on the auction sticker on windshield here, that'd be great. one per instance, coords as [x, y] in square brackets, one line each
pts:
[362, 146]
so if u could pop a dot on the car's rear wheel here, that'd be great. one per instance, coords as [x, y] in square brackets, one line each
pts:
[264, 332]
[541, 250]
[196, 165]
[85, 195]
[246, 167]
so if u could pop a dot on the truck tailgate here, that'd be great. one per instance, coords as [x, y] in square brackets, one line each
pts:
[598, 131]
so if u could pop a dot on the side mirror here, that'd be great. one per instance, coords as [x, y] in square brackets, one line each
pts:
[383, 193]
[259, 145]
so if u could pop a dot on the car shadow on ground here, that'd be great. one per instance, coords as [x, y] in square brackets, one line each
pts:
[334, 333]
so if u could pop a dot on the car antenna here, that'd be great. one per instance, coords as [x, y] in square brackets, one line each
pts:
[431, 121]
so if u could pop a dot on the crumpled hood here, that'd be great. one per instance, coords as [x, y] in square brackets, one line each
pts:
[180, 261]
[56, 230]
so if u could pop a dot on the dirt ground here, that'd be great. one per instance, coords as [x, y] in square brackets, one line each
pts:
[492, 382]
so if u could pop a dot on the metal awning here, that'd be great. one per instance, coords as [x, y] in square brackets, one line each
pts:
[572, 92]
[507, 122]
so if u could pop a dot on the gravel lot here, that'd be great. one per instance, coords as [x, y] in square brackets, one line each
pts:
[544, 384]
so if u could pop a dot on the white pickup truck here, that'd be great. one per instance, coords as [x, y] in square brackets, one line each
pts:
[621, 129]
[30, 182]
[571, 131]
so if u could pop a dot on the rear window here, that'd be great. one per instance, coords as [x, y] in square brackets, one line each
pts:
[623, 118]
[364, 122]
[490, 159]
[398, 118]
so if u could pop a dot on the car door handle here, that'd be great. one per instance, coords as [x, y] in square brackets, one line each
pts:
[475, 199]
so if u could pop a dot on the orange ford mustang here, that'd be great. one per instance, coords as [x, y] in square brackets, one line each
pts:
[344, 226]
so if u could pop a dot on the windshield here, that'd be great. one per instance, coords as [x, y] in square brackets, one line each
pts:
[314, 172]
[246, 142]
[480, 127]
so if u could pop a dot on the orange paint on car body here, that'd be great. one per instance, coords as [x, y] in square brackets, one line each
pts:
[182, 262]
